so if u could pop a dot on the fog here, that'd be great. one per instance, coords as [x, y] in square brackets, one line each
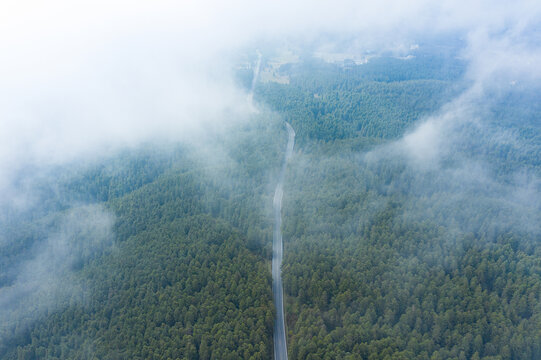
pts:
[80, 81]
[43, 281]
[455, 148]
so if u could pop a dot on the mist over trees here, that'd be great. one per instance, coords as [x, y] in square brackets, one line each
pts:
[390, 253]
[141, 142]
[186, 277]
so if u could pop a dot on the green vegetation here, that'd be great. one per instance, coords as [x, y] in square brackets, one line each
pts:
[382, 262]
[379, 100]
[189, 274]
[369, 275]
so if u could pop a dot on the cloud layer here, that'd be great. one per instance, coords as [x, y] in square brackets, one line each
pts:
[44, 281]
[83, 77]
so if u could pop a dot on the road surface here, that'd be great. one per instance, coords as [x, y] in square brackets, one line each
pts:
[280, 346]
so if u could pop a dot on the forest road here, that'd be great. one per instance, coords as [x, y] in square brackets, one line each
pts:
[280, 345]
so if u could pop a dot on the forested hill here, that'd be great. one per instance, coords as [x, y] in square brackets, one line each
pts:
[389, 259]
[187, 275]
[380, 99]
[406, 235]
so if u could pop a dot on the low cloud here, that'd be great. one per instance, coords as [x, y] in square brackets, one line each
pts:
[47, 279]
[474, 148]
[81, 81]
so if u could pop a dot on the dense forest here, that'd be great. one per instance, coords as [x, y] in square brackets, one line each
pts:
[165, 250]
[186, 274]
[384, 261]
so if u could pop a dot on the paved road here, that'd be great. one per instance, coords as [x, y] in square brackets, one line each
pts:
[280, 346]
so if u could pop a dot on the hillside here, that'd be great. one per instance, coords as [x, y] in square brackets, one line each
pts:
[390, 258]
[186, 275]
[411, 228]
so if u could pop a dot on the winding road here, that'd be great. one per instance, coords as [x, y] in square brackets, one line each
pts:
[280, 346]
